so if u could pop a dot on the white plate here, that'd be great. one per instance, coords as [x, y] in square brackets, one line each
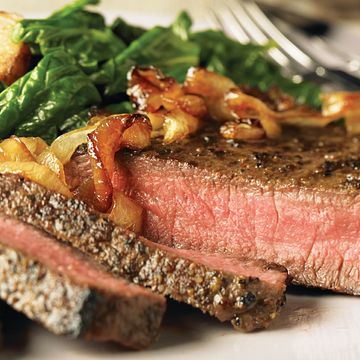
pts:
[312, 326]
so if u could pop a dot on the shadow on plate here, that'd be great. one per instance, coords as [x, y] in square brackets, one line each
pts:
[302, 309]
[15, 332]
[182, 325]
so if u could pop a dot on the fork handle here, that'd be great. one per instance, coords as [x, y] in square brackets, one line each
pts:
[351, 82]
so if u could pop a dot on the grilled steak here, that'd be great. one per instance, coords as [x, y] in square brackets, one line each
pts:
[58, 287]
[248, 293]
[295, 202]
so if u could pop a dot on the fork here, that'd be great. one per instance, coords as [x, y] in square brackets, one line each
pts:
[246, 22]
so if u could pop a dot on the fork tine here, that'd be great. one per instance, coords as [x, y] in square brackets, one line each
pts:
[225, 21]
[284, 43]
[242, 22]
[245, 21]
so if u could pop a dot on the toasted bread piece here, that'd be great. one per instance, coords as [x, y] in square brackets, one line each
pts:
[14, 57]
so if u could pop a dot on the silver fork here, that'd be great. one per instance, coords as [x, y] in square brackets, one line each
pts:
[246, 22]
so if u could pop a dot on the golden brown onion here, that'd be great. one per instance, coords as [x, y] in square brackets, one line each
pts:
[138, 135]
[193, 105]
[157, 122]
[65, 145]
[50, 160]
[161, 97]
[149, 89]
[243, 129]
[105, 141]
[13, 149]
[37, 173]
[126, 213]
[35, 145]
[248, 107]
[212, 88]
[179, 124]
[343, 104]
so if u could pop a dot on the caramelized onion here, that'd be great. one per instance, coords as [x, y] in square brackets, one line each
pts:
[104, 188]
[31, 158]
[105, 141]
[343, 104]
[244, 129]
[13, 149]
[126, 213]
[50, 160]
[138, 135]
[163, 99]
[193, 105]
[212, 88]
[149, 89]
[228, 103]
[37, 173]
[178, 124]
[246, 106]
[157, 120]
[35, 145]
[65, 145]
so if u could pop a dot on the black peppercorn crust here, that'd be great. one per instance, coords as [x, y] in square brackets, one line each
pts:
[248, 302]
[66, 307]
[310, 158]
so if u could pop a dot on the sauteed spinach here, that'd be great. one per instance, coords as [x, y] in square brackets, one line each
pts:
[82, 61]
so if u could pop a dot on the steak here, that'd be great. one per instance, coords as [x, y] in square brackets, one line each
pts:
[247, 293]
[293, 202]
[68, 294]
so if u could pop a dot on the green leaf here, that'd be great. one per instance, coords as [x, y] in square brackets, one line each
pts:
[50, 135]
[76, 121]
[73, 7]
[45, 97]
[181, 26]
[159, 47]
[124, 107]
[81, 33]
[2, 86]
[248, 64]
[126, 32]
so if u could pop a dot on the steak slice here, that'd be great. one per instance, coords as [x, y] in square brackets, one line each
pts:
[295, 202]
[68, 294]
[247, 293]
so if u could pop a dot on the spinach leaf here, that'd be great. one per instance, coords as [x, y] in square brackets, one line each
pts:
[181, 26]
[78, 50]
[81, 33]
[120, 108]
[69, 9]
[45, 97]
[162, 47]
[126, 32]
[50, 135]
[76, 121]
[82, 118]
[248, 64]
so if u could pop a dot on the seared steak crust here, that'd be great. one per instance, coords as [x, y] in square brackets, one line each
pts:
[71, 295]
[294, 202]
[303, 158]
[26, 286]
[249, 302]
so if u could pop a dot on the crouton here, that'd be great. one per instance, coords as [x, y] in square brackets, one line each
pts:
[14, 57]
